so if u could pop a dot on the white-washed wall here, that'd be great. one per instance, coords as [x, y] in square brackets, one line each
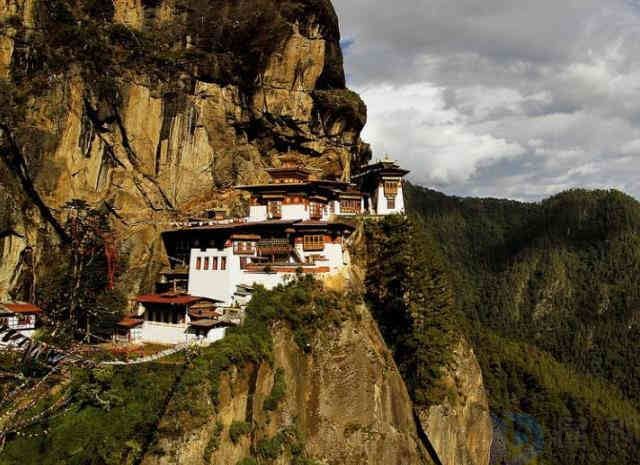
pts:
[214, 284]
[381, 206]
[257, 213]
[334, 254]
[28, 322]
[295, 212]
[164, 333]
[268, 280]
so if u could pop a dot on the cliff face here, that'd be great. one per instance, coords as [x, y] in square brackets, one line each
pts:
[343, 398]
[460, 428]
[153, 110]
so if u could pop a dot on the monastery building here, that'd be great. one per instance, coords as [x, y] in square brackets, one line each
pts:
[296, 225]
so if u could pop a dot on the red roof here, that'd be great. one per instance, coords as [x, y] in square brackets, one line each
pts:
[22, 307]
[128, 322]
[171, 299]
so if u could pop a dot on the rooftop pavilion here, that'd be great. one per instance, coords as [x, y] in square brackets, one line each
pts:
[382, 182]
[294, 193]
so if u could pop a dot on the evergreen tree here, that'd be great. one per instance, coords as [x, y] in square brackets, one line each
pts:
[410, 295]
[78, 292]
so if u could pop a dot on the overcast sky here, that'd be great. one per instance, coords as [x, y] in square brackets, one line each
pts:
[501, 98]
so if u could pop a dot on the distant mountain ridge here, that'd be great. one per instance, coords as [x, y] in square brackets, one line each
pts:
[551, 296]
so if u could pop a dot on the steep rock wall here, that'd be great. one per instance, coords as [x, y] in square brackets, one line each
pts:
[231, 89]
[460, 428]
[344, 395]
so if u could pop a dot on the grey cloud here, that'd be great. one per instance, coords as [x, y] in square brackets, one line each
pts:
[508, 98]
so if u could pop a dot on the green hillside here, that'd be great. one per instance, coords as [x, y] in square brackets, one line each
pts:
[551, 296]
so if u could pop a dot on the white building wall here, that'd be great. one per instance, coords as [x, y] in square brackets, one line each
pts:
[295, 212]
[334, 254]
[381, 204]
[222, 284]
[336, 207]
[214, 334]
[27, 328]
[136, 333]
[164, 333]
[213, 284]
[257, 213]
[268, 280]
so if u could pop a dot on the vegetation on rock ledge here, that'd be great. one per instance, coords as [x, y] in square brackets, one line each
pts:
[115, 415]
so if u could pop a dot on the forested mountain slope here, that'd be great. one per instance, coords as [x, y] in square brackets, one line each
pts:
[549, 294]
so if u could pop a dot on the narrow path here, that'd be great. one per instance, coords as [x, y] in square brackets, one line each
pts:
[150, 358]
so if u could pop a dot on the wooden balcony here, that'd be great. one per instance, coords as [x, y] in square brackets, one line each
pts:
[274, 247]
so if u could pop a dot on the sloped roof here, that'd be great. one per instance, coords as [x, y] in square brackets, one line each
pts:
[129, 322]
[170, 299]
[21, 308]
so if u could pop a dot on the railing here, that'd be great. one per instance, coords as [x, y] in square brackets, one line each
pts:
[200, 223]
[274, 247]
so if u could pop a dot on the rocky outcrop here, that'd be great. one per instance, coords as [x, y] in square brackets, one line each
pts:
[460, 428]
[189, 99]
[13, 12]
[344, 396]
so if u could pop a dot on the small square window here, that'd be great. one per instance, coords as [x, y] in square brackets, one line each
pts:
[350, 206]
[316, 210]
[313, 242]
[275, 209]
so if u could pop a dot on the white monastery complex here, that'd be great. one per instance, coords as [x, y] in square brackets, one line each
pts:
[296, 225]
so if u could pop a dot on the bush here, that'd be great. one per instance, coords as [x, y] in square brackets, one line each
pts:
[214, 442]
[278, 391]
[238, 429]
[271, 448]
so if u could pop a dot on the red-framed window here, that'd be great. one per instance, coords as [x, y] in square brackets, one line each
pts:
[391, 188]
[313, 242]
[199, 263]
[275, 209]
[206, 263]
[214, 265]
[315, 210]
[350, 206]
[242, 247]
